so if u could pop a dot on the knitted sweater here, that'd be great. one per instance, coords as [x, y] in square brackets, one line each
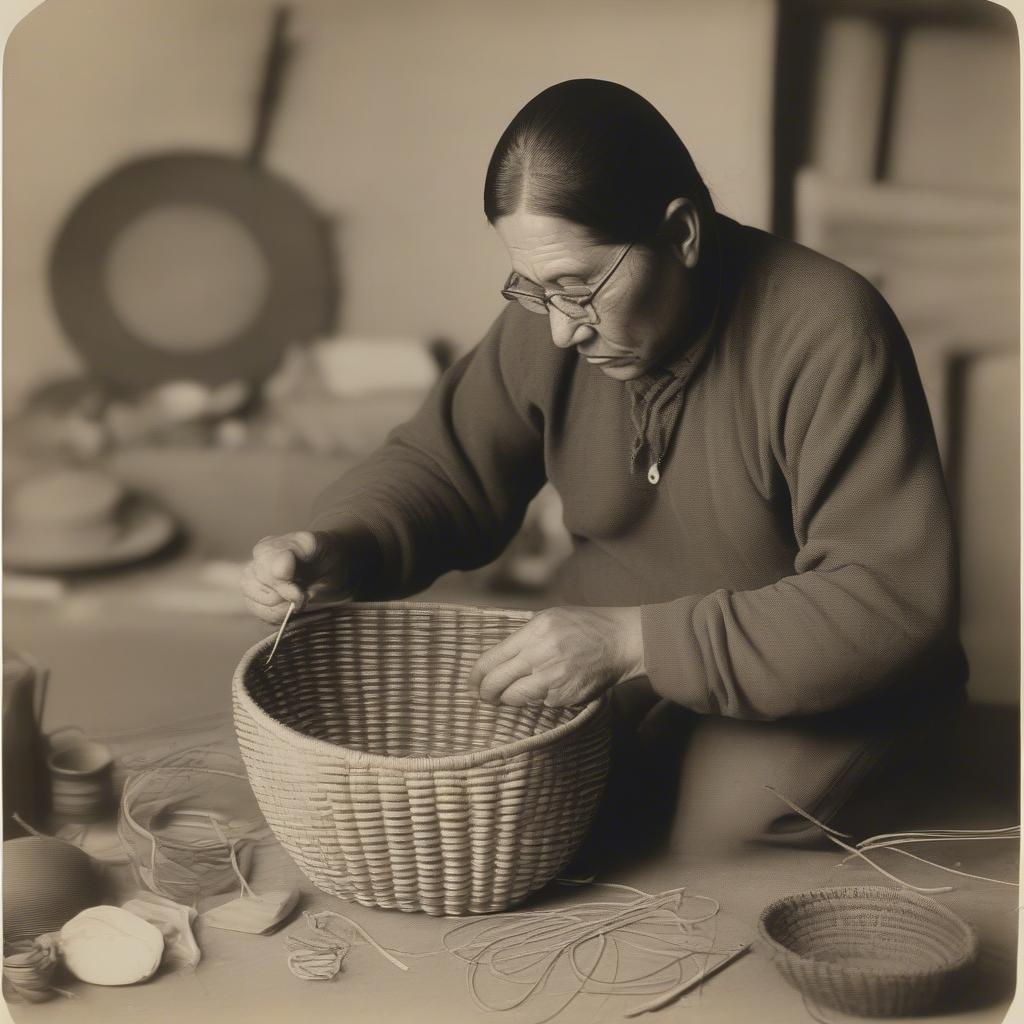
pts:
[793, 552]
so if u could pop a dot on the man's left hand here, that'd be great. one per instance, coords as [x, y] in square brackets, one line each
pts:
[562, 656]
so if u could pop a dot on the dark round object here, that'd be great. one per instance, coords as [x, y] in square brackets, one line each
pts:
[46, 883]
[291, 238]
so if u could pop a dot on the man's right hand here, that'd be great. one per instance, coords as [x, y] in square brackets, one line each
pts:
[288, 568]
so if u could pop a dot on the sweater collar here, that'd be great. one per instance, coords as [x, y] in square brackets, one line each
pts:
[656, 398]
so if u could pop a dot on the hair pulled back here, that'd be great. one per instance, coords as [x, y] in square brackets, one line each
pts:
[594, 153]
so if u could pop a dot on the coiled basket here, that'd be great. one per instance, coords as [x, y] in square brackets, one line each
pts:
[868, 950]
[390, 782]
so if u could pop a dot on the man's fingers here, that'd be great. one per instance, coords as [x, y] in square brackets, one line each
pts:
[498, 678]
[276, 573]
[530, 689]
[546, 684]
[262, 569]
[272, 614]
[560, 696]
[309, 552]
[306, 544]
[283, 570]
[254, 590]
[256, 593]
[283, 565]
[491, 659]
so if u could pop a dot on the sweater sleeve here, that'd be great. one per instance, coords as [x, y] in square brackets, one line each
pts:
[872, 601]
[449, 488]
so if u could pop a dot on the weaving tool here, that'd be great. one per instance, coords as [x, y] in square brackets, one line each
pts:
[686, 986]
[280, 632]
[312, 611]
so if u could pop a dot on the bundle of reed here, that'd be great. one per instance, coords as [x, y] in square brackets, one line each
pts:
[29, 966]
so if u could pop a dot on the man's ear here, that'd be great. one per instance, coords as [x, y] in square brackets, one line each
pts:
[681, 225]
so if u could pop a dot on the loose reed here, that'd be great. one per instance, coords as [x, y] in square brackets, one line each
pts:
[176, 859]
[531, 955]
[535, 950]
[894, 840]
[29, 966]
[319, 954]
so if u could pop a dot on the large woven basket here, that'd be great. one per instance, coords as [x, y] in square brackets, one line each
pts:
[390, 782]
[869, 950]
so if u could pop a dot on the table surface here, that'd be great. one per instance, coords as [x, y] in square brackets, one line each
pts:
[127, 669]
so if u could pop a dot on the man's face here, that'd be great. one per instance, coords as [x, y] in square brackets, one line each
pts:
[643, 310]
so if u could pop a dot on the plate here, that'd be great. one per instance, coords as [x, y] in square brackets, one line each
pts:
[146, 529]
[122, 256]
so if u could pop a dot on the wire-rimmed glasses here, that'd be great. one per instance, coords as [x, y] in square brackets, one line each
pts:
[574, 301]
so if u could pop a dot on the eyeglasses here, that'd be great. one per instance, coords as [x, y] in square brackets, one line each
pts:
[576, 301]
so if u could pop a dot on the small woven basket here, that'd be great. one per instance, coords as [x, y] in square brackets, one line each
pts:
[390, 782]
[868, 950]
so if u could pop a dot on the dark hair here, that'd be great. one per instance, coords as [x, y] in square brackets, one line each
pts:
[595, 153]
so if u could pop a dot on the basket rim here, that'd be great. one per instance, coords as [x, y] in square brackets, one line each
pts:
[968, 933]
[361, 758]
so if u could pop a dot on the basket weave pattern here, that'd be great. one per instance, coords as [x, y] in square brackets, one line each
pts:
[390, 783]
[868, 950]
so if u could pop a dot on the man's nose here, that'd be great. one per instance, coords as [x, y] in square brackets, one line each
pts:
[566, 332]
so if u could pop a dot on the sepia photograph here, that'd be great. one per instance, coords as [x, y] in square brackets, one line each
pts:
[510, 513]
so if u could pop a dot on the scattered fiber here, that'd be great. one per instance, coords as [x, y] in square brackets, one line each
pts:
[164, 823]
[29, 965]
[643, 945]
[894, 840]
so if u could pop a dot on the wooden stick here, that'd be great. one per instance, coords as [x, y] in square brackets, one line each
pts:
[667, 997]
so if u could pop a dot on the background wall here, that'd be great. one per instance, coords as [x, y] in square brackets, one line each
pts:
[389, 112]
[388, 115]
[911, 175]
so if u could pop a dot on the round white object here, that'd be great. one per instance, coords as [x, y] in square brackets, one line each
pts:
[182, 400]
[46, 883]
[110, 946]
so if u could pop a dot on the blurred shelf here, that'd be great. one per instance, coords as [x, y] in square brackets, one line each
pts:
[980, 13]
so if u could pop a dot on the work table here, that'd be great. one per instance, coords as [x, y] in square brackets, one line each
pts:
[122, 666]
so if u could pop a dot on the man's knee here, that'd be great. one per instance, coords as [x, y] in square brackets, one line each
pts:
[724, 769]
[741, 820]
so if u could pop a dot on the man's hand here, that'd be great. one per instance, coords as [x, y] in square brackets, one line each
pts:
[288, 568]
[562, 656]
